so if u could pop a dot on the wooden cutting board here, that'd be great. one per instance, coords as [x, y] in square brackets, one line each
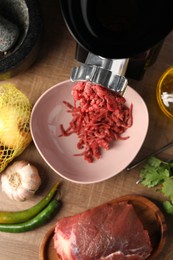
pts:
[150, 215]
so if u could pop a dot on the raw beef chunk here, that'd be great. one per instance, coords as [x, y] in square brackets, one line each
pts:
[110, 231]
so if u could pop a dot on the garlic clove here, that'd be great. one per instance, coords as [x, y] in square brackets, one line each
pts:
[6, 186]
[22, 194]
[15, 196]
[20, 181]
[30, 178]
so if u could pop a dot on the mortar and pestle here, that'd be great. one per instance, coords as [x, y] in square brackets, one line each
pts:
[20, 31]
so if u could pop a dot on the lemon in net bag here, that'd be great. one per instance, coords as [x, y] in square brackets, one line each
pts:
[15, 111]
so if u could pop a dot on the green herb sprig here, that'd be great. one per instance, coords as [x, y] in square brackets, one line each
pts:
[156, 172]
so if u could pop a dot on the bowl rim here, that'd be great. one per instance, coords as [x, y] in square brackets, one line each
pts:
[158, 92]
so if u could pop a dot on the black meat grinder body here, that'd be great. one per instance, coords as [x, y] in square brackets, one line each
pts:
[133, 29]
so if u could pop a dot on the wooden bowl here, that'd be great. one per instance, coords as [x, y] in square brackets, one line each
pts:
[150, 215]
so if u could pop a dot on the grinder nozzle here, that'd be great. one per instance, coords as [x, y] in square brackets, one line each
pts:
[108, 73]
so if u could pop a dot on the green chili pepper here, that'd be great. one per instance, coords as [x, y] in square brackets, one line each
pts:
[42, 218]
[24, 215]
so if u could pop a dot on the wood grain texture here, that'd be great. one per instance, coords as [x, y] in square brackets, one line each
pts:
[53, 65]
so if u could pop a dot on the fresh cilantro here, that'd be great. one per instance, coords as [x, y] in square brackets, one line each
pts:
[168, 206]
[167, 188]
[157, 172]
[154, 172]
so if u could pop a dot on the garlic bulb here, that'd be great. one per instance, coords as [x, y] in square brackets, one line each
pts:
[20, 181]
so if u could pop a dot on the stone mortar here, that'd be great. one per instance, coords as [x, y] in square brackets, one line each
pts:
[26, 15]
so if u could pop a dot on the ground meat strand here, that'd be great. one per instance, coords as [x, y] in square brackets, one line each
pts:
[99, 116]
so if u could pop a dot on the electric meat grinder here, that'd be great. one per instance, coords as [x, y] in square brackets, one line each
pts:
[116, 40]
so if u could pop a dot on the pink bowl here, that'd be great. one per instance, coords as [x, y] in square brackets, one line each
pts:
[58, 152]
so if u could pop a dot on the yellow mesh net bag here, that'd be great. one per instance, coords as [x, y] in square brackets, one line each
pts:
[15, 111]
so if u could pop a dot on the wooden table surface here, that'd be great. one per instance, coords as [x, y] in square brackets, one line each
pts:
[53, 65]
